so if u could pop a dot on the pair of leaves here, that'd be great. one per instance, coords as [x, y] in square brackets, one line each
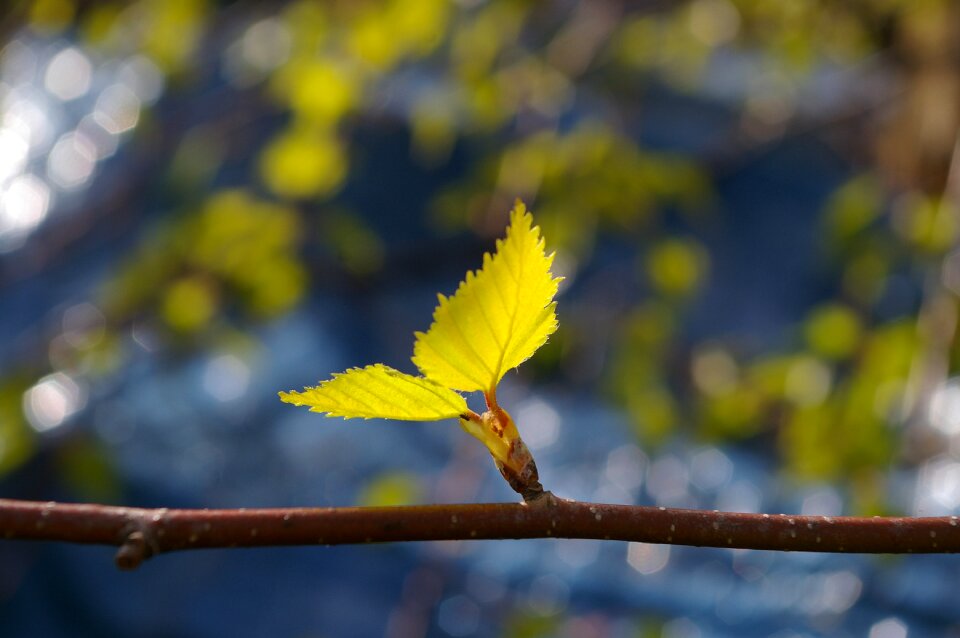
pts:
[498, 317]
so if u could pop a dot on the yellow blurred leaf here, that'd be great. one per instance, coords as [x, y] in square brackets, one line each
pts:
[390, 490]
[654, 413]
[175, 27]
[51, 16]
[929, 223]
[98, 23]
[499, 316]
[865, 274]
[853, 207]
[833, 331]
[419, 24]
[189, 304]
[308, 23]
[371, 40]
[276, 286]
[676, 266]
[736, 414]
[302, 164]
[17, 438]
[320, 90]
[87, 468]
[356, 245]
[434, 128]
[476, 43]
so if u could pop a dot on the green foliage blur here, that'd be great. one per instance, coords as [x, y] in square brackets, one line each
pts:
[840, 391]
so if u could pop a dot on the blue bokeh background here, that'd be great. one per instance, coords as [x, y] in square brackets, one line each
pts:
[199, 425]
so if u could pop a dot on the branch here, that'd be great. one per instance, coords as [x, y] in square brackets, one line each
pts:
[142, 533]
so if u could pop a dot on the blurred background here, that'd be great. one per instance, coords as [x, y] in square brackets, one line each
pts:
[754, 204]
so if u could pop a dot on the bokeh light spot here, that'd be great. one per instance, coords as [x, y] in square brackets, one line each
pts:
[541, 423]
[625, 467]
[83, 325]
[943, 411]
[714, 22]
[26, 115]
[266, 44]
[142, 76]
[68, 74]
[226, 377]
[13, 152]
[53, 399]
[117, 109]
[647, 558]
[458, 616]
[715, 372]
[808, 381]
[825, 502]
[888, 628]
[710, 469]
[72, 160]
[24, 204]
[548, 595]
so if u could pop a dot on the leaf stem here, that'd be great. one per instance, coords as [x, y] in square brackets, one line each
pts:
[490, 396]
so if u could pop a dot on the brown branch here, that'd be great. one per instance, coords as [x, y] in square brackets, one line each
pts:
[141, 533]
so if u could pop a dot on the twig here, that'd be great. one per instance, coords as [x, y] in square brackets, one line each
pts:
[142, 533]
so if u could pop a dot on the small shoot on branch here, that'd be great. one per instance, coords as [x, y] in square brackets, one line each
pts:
[499, 316]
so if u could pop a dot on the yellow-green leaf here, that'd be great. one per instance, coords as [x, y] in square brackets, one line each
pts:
[380, 392]
[498, 317]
